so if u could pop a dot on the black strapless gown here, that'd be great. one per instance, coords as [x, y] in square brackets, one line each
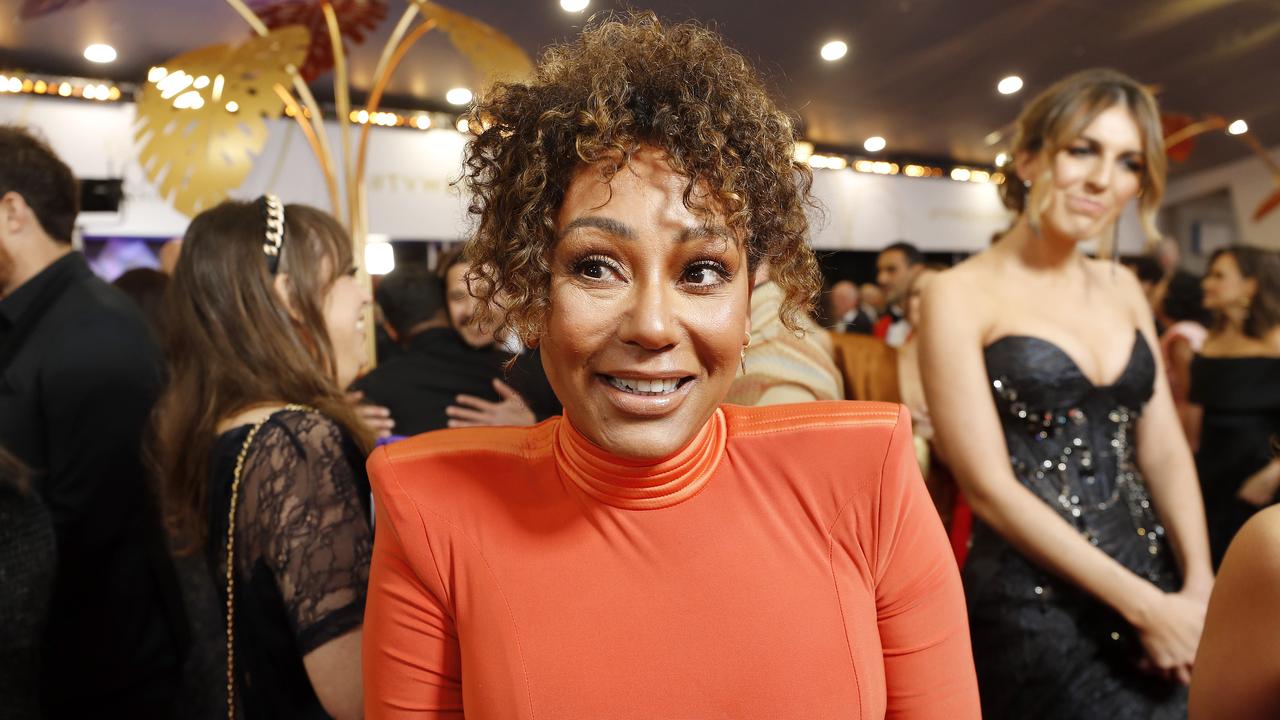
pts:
[1043, 647]
[1241, 399]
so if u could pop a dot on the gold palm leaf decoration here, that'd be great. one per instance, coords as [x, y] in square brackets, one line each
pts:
[491, 51]
[202, 121]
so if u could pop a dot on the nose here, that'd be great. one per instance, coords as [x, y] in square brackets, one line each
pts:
[1099, 177]
[649, 320]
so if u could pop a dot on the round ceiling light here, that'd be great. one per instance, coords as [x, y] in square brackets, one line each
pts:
[1009, 85]
[834, 50]
[874, 144]
[1238, 127]
[458, 96]
[100, 53]
[574, 6]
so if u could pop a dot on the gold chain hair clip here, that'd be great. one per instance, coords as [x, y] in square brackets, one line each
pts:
[273, 209]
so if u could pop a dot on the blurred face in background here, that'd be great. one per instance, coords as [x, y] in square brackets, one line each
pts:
[893, 275]
[462, 308]
[1225, 287]
[649, 309]
[1092, 178]
[344, 319]
[873, 297]
[844, 298]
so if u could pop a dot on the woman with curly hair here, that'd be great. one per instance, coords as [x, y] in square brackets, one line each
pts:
[654, 553]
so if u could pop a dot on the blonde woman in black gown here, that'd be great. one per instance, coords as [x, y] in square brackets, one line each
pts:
[1089, 569]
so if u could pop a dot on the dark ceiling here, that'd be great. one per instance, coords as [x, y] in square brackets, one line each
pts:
[920, 73]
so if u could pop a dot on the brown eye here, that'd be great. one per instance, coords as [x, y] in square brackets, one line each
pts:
[706, 274]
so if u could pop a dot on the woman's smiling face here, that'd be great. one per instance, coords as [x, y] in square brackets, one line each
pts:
[649, 308]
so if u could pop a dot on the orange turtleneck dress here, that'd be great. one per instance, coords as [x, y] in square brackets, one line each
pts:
[787, 563]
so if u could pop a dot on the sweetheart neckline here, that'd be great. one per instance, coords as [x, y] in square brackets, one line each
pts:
[1138, 341]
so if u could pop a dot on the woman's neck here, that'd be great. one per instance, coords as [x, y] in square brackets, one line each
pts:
[1042, 249]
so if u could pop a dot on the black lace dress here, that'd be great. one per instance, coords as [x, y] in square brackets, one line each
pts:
[302, 551]
[1043, 648]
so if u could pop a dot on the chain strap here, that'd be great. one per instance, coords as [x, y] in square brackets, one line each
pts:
[231, 546]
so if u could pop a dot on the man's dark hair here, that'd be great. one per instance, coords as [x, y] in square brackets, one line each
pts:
[1184, 299]
[910, 252]
[409, 296]
[30, 168]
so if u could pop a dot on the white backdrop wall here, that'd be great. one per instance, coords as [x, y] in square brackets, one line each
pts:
[411, 193]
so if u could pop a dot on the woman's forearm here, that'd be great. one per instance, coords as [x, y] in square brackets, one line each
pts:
[1175, 491]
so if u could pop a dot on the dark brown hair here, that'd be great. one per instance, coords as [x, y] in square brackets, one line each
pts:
[232, 344]
[1263, 267]
[625, 83]
[30, 168]
[1058, 115]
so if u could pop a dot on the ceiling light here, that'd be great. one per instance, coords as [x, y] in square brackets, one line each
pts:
[1238, 127]
[156, 74]
[993, 137]
[837, 163]
[874, 144]
[834, 50]
[100, 53]
[914, 171]
[1009, 85]
[574, 5]
[1001, 159]
[462, 125]
[980, 176]
[802, 151]
[960, 174]
[458, 96]
[422, 122]
[232, 106]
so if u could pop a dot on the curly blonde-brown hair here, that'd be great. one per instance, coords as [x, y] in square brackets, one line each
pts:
[625, 83]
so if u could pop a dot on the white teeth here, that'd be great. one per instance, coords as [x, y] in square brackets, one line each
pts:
[660, 386]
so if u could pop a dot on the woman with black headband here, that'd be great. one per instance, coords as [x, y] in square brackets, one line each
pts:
[261, 456]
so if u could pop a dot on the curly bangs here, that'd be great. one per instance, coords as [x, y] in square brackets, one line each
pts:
[624, 84]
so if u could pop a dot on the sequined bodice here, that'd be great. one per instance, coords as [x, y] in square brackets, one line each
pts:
[1072, 442]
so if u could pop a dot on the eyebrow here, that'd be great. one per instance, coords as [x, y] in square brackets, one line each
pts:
[622, 230]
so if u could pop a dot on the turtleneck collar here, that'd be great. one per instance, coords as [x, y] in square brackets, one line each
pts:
[648, 484]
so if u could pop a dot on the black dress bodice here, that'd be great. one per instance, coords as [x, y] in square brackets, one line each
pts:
[1241, 423]
[1043, 647]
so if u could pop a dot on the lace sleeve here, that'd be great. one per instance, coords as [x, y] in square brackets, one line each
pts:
[302, 518]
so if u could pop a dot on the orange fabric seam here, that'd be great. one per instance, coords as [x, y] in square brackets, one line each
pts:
[811, 425]
[515, 626]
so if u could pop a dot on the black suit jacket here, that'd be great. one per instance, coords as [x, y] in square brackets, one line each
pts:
[861, 324]
[79, 371]
[437, 366]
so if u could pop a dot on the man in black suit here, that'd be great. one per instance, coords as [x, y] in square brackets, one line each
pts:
[446, 376]
[847, 310]
[79, 371]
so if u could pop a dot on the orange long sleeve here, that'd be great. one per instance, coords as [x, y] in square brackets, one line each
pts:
[786, 564]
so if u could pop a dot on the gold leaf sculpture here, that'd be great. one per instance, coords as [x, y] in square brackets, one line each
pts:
[491, 51]
[202, 117]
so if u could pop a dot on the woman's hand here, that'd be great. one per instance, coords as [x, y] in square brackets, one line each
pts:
[1259, 489]
[1170, 625]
